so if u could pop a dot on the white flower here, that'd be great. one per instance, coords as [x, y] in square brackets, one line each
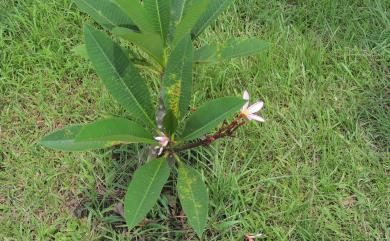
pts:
[249, 112]
[163, 141]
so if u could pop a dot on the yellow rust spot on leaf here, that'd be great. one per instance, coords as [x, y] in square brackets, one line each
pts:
[68, 133]
[174, 95]
[114, 143]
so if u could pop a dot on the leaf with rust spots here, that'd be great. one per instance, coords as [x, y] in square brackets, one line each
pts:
[174, 97]
[177, 81]
[193, 197]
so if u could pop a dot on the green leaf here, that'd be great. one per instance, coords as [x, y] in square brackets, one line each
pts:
[137, 13]
[151, 43]
[193, 10]
[209, 115]
[64, 140]
[231, 49]
[119, 75]
[115, 131]
[178, 8]
[177, 81]
[105, 13]
[193, 197]
[159, 13]
[170, 122]
[215, 8]
[144, 190]
[81, 50]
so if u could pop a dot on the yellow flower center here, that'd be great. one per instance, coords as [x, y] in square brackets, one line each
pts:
[245, 112]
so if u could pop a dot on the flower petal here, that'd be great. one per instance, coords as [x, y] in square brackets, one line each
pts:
[246, 95]
[255, 107]
[158, 138]
[160, 151]
[245, 106]
[256, 118]
[164, 142]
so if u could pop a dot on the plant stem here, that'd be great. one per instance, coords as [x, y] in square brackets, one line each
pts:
[177, 158]
[161, 107]
[161, 111]
[224, 131]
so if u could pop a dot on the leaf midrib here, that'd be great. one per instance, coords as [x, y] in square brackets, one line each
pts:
[119, 137]
[120, 77]
[182, 62]
[182, 11]
[203, 26]
[159, 20]
[97, 12]
[136, 38]
[187, 22]
[71, 142]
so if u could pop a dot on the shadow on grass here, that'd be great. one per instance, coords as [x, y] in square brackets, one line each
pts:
[104, 203]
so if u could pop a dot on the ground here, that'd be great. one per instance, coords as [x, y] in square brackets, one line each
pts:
[317, 169]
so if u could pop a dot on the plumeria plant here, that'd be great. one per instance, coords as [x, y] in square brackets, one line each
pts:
[161, 35]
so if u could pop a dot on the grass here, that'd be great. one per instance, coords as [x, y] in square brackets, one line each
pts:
[318, 169]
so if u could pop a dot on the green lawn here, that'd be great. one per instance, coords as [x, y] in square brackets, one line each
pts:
[318, 169]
